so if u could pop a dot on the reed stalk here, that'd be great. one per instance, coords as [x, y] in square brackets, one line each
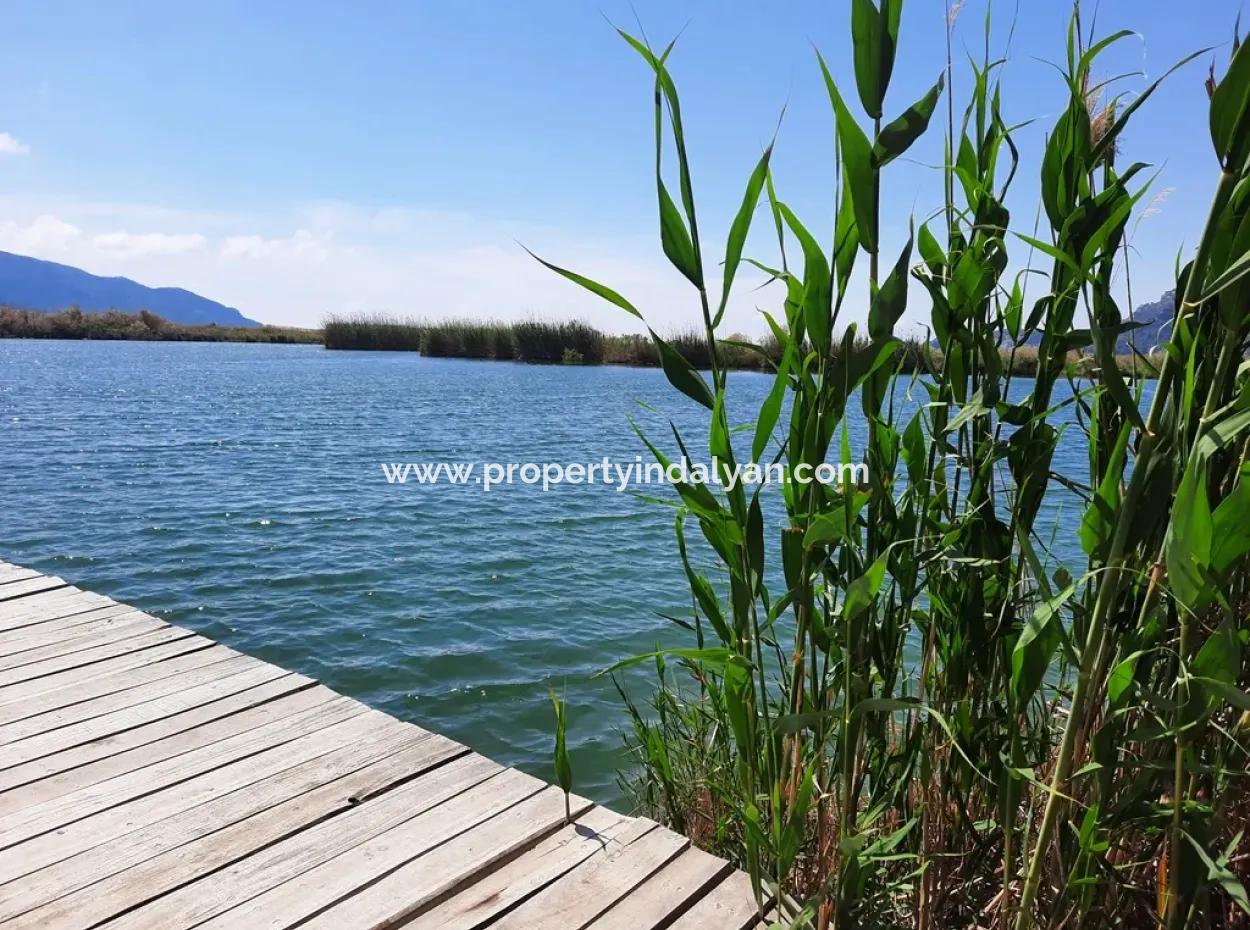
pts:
[902, 709]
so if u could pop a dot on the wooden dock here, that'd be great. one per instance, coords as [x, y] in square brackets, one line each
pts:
[151, 778]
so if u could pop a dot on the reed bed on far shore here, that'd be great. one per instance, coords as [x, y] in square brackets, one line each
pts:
[579, 343]
[572, 343]
[372, 332]
[568, 343]
[144, 326]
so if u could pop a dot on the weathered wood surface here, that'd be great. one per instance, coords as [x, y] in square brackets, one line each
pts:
[151, 779]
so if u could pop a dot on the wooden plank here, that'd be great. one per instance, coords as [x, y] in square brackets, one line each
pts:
[138, 846]
[124, 648]
[126, 625]
[196, 842]
[188, 906]
[109, 824]
[82, 713]
[48, 632]
[19, 589]
[33, 604]
[590, 839]
[86, 764]
[52, 631]
[49, 605]
[42, 600]
[580, 896]
[480, 859]
[69, 602]
[10, 573]
[173, 695]
[106, 759]
[728, 906]
[28, 699]
[58, 813]
[673, 889]
[522, 818]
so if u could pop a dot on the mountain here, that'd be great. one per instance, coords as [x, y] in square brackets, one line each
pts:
[1154, 326]
[1154, 322]
[34, 284]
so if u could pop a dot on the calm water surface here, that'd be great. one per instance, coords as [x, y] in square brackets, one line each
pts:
[237, 490]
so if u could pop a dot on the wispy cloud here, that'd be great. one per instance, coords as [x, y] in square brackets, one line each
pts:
[137, 245]
[10, 146]
[302, 244]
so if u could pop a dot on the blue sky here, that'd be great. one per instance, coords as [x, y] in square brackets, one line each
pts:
[300, 159]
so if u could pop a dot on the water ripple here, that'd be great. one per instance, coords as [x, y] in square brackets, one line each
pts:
[237, 489]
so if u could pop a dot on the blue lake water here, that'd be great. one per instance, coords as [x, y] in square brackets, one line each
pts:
[238, 490]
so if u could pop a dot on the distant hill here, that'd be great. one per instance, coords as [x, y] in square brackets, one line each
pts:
[1154, 323]
[1154, 326]
[34, 284]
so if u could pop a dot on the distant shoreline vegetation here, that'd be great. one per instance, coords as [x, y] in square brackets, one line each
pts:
[579, 343]
[534, 341]
[550, 342]
[143, 326]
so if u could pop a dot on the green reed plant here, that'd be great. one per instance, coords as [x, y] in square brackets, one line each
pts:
[542, 341]
[1067, 750]
[371, 332]
[630, 349]
[502, 344]
[468, 339]
[440, 340]
[561, 763]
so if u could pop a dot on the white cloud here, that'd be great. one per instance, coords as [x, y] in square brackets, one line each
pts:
[302, 244]
[136, 245]
[46, 235]
[10, 146]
